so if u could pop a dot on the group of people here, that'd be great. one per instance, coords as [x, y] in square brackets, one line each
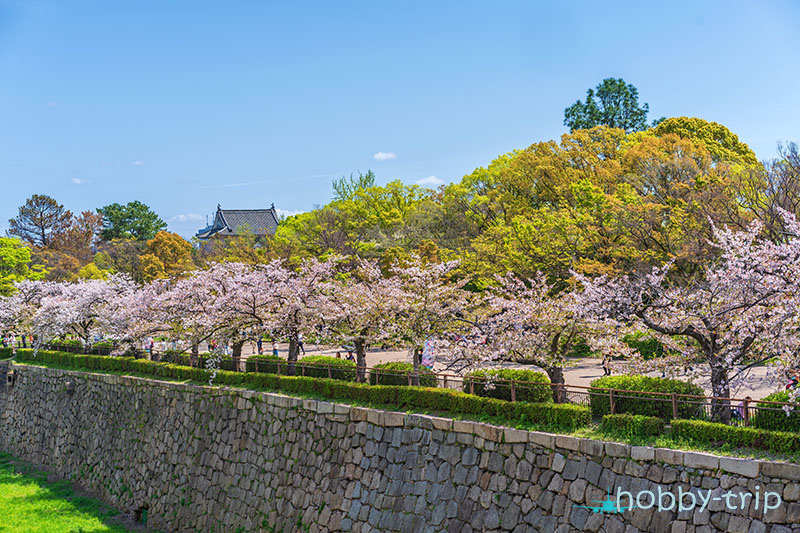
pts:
[260, 345]
[350, 356]
[12, 340]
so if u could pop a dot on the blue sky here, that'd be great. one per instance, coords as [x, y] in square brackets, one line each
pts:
[183, 105]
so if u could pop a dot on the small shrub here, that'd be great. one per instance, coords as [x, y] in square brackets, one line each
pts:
[631, 403]
[715, 434]
[339, 368]
[632, 425]
[532, 386]
[648, 346]
[102, 347]
[266, 364]
[773, 416]
[397, 374]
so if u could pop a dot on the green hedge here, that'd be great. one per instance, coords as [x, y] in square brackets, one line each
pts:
[396, 373]
[184, 359]
[715, 434]
[6, 353]
[339, 368]
[633, 404]
[533, 387]
[266, 364]
[632, 425]
[564, 417]
[777, 419]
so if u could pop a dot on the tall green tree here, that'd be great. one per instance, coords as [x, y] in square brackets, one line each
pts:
[612, 103]
[39, 220]
[15, 265]
[134, 220]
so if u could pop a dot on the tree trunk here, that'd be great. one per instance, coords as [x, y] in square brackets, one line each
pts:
[720, 388]
[195, 357]
[556, 375]
[237, 355]
[361, 359]
[294, 352]
[417, 361]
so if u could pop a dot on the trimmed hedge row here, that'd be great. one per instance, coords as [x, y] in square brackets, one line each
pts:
[225, 363]
[564, 417]
[343, 369]
[6, 353]
[661, 406]
[632, 425]
[396, 373]
[266, 364]
[715, 434]
[532, 386]
[776, 419]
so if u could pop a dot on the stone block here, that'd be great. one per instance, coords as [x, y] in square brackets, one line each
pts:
[545, 440]
[780, 470]
[742, 467]
[558, 463]
[357, 414]
[701, 460]
[375, 417]
[592, 447]
[514, 435]
[393, 419]
[461, 426]
[614, 449]
[673, 457]
[642, 453]
[568, 443]
[488, 432]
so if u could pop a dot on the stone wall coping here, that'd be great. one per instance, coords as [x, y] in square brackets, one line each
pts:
[562, 445]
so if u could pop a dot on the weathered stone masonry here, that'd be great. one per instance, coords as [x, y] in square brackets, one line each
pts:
[201, 458]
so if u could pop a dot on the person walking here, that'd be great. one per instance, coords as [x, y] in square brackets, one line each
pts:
[300, 343]
[260, 345]
[606, 365]
[274, 347]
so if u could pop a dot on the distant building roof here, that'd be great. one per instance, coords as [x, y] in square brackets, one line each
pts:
[241, 221]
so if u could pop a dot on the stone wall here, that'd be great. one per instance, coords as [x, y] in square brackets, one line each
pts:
[201, 458]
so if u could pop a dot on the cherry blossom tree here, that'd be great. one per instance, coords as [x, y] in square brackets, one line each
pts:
[243, 301]
[17, 311]
[362, 306]
[79, 308]
[429, 304]
[531, 321]
[301, 303]
[742, 310]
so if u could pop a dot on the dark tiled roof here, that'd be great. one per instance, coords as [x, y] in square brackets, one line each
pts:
[239, 221]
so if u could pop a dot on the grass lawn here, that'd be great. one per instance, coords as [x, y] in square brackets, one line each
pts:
[29, 503]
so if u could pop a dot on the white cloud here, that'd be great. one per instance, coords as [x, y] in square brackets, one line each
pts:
[383, 156]
[430, 181]
[287, 213]
[80, 181]
[188, 217]
[138, 163]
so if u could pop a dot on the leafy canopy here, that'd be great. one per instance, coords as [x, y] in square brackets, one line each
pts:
[15, 259]
[612, 103]
[134, 220]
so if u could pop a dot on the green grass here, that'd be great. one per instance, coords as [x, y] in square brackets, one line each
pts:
[28, 503]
